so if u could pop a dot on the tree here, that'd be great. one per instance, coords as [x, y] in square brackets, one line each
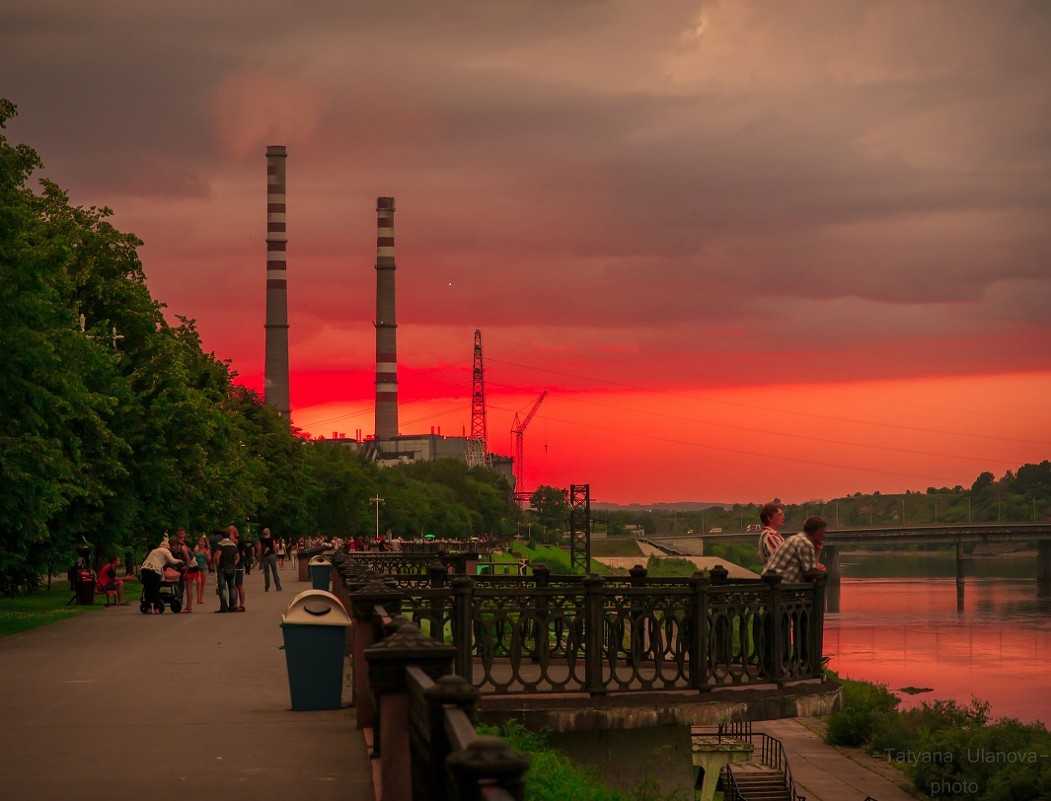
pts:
[551, 506]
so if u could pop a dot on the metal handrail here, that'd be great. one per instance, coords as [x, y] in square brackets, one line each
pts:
[771, 754]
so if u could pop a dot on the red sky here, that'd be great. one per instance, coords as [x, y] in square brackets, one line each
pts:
[751, 249]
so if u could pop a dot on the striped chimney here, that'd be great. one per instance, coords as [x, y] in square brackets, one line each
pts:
[275, 389]
[386, 324]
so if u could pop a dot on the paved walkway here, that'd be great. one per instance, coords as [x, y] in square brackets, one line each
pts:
[825, 773]
[116, 705]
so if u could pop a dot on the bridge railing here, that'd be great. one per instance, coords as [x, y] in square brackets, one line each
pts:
[569, 634]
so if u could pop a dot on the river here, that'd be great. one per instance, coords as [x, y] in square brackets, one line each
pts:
[899, 625]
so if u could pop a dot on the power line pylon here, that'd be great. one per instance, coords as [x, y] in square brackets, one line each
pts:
[518, 431]
[580, 528]
[477, 450]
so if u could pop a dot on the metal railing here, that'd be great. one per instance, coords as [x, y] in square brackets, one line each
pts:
[549, 633]
[771, 755]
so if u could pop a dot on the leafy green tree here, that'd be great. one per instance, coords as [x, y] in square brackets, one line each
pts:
[551, 505]
[60, 457]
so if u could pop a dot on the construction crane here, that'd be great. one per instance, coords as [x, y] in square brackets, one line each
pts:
[518, 428]
[476, 443]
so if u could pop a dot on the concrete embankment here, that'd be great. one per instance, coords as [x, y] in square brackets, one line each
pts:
[826, 773]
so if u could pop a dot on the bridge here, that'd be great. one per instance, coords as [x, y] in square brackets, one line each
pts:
[959, 536]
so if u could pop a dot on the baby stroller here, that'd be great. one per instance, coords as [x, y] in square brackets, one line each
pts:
[170, 593]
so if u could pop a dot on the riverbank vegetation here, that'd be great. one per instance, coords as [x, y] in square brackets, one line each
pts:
[946, 749]
[1019, 496]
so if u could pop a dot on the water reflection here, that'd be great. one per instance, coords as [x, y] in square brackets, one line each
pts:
[914, 630]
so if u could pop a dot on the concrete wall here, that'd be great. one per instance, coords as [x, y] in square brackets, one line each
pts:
[660, 758]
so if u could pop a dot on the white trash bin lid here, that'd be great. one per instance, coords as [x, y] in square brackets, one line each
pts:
[319, 560]
[316, 608]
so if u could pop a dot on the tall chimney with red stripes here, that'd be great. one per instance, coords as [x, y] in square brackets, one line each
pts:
[386, 324]
[275, 388]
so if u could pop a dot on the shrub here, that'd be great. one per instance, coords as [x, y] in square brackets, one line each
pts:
[553, 777]
[866, 707]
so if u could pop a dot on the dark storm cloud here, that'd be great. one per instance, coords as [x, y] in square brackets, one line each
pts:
[605, 168]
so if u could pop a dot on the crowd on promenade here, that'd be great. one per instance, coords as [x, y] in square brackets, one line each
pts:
[184, 565]
[227, 555]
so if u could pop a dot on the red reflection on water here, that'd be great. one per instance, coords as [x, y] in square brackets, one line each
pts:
[908, 633]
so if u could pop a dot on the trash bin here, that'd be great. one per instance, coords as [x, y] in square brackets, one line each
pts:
[85, 587]
[315, 630]
[304, 567]
[321, 572]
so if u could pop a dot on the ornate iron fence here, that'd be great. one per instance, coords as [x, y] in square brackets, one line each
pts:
[570, 634]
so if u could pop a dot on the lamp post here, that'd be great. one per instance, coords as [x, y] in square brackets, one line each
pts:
[377, 500]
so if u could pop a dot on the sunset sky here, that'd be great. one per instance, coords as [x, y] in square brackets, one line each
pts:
[750, 249]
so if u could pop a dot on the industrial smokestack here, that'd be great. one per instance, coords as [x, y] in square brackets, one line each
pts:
[386, 324]
[275, 389]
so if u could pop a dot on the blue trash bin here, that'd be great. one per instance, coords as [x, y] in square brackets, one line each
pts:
[315, 630]
[320, 572]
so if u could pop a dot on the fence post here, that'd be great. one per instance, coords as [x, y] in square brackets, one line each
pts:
[387, 661]
[774, 631]
[637, 631]
[434, 611]
[542, 575]
[815, 635]
[488, 762]
[462, 625]
[437, 575]
[366, 632]
[448, 691]
[699, 667]
[593, 634]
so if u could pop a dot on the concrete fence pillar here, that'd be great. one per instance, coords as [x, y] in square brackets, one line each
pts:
[387, 661]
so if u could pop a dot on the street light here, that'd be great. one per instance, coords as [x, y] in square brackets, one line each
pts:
[377, 500]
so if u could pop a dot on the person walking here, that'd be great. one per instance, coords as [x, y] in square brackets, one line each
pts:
[268, 558]
[245, 550]
[281, 548]
[226, 558]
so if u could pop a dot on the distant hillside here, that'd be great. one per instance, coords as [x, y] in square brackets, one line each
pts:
[680, 506]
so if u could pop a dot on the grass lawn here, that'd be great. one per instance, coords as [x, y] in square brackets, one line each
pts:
[42, 607]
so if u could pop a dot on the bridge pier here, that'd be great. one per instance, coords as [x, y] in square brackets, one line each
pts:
[830, 559]
[1043, 569]
[959, 577]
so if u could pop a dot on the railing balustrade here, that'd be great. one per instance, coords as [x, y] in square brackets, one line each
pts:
[568, 634]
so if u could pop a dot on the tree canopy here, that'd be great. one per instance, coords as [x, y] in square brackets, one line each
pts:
[118, 426]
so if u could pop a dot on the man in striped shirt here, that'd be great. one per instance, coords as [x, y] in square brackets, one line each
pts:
[772, 516]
